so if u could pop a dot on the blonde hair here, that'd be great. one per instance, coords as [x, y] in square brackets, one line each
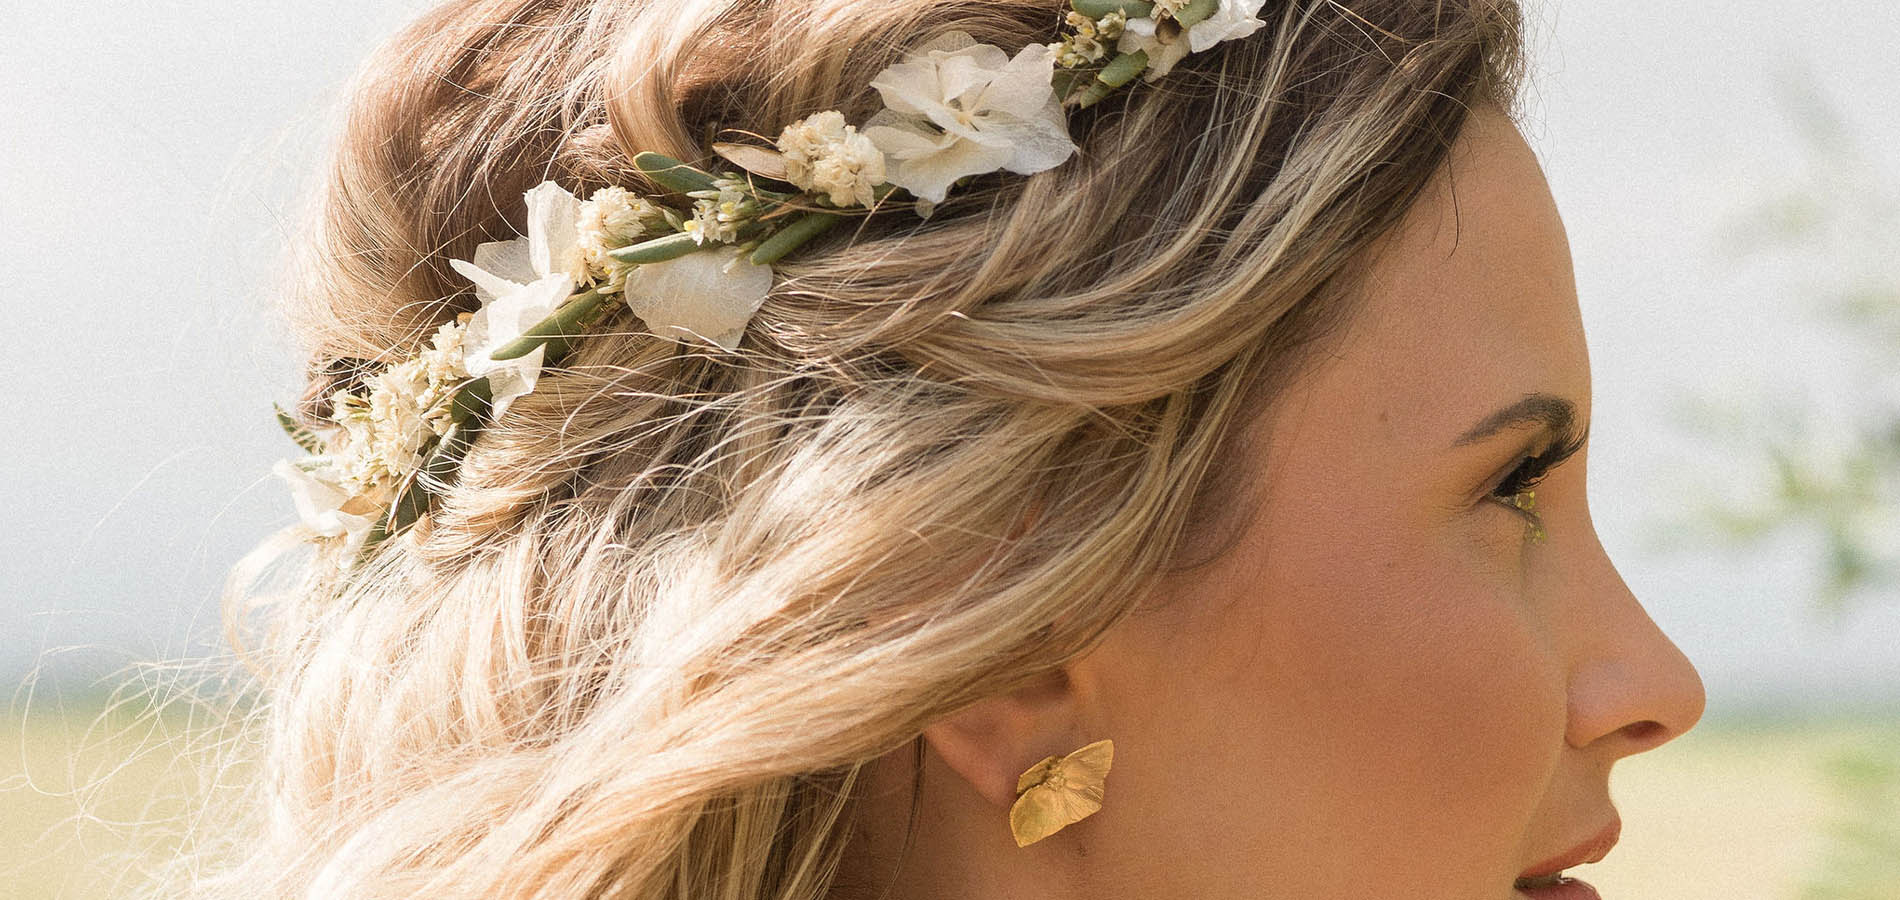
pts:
[678, 599]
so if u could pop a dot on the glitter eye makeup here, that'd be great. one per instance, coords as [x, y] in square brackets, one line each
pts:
[1516, 489]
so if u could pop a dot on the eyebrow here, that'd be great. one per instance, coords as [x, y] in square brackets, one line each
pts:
[1554, 412]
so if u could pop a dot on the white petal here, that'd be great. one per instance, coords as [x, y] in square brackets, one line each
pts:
[1133, 29]
[318, 501]
[909, 87]
[1022, 87]
[504, 319]
[930, 176]
[709, 293]
[1162, 58]
[949, 41]
[507, 259]
[966, 74]
[484, 272]
[552, 214]
[512, 378]
[1039, 144]
[902, 136]
[1234, 19]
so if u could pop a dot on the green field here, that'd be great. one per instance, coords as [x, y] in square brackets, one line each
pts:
[1738, 809]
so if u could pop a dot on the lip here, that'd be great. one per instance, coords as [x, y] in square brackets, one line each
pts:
[1591, 850]
[1566, 889]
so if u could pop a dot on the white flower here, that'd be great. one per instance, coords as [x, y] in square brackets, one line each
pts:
[521, 282]
[718, 217]
[955, 107]
[1085, 45]
[1162, 39]
[612, 218]
[320, 500]
[708, 293]
[823, 153]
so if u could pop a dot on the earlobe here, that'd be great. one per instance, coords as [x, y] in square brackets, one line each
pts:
[989, 743]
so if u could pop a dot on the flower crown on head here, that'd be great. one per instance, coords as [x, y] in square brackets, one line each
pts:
[953, 108]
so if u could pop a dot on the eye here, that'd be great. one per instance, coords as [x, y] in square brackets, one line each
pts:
[1517, 489]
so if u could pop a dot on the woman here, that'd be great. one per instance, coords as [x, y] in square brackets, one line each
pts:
[1196, 510]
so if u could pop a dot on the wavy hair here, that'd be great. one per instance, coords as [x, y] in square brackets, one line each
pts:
[677, 599]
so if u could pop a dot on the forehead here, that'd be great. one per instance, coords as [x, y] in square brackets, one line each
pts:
[1468, 305]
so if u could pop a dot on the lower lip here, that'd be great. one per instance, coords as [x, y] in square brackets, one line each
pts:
[1567, 889]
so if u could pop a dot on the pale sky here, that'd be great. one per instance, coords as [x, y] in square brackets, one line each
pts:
[152, 152]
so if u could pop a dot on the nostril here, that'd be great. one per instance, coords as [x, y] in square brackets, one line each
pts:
[1646, 734]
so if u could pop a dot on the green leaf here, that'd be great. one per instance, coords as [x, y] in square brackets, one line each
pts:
[304, 437]
[438, 466]
[1095, 9]
[470, 400]
[1195, 12]
[1063, 81]
[657, 249]
[787, 239]
[671, 173]
[555, 330]
[1118, 72]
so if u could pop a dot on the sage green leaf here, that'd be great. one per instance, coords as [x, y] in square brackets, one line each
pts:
[671, 173]
[657, 249]
[304, 437]
[418, 492]
[1063, 82]
[470, 400]
[1095, 9]
[787, 239]
[1119, 71]
[1195, 12]
[1123, 68]
[567, 322]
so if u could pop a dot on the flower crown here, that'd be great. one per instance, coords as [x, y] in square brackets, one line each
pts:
[954, 108]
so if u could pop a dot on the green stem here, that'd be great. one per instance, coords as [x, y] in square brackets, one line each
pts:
[787, 239]
[556, 331]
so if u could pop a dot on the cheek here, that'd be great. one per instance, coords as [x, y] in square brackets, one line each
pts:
[1425, 675]
[1383, 699]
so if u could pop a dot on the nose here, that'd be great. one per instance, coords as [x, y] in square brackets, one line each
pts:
[1631, 688]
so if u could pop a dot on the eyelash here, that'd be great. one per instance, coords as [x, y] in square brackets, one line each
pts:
[1516, 490]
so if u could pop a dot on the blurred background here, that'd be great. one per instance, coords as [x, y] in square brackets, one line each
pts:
[1728, 176]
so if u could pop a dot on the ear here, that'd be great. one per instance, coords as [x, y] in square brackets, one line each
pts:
[993, 741]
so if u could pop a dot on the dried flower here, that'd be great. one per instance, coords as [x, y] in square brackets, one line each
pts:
[717, 214]
[823, 153]
[956, 107]
[1088, 43]
[1162, 38]
[612, 218]
[521, 282]
[710, 294]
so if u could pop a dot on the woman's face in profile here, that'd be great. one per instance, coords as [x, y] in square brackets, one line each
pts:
[1388, 687]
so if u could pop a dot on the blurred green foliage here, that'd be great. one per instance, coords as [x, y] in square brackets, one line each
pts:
[1833, 220]
[1862, 861]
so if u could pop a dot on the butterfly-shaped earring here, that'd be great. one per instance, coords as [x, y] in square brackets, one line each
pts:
[1059, 791]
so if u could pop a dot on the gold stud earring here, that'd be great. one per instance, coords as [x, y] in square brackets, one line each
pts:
[1059, 791]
